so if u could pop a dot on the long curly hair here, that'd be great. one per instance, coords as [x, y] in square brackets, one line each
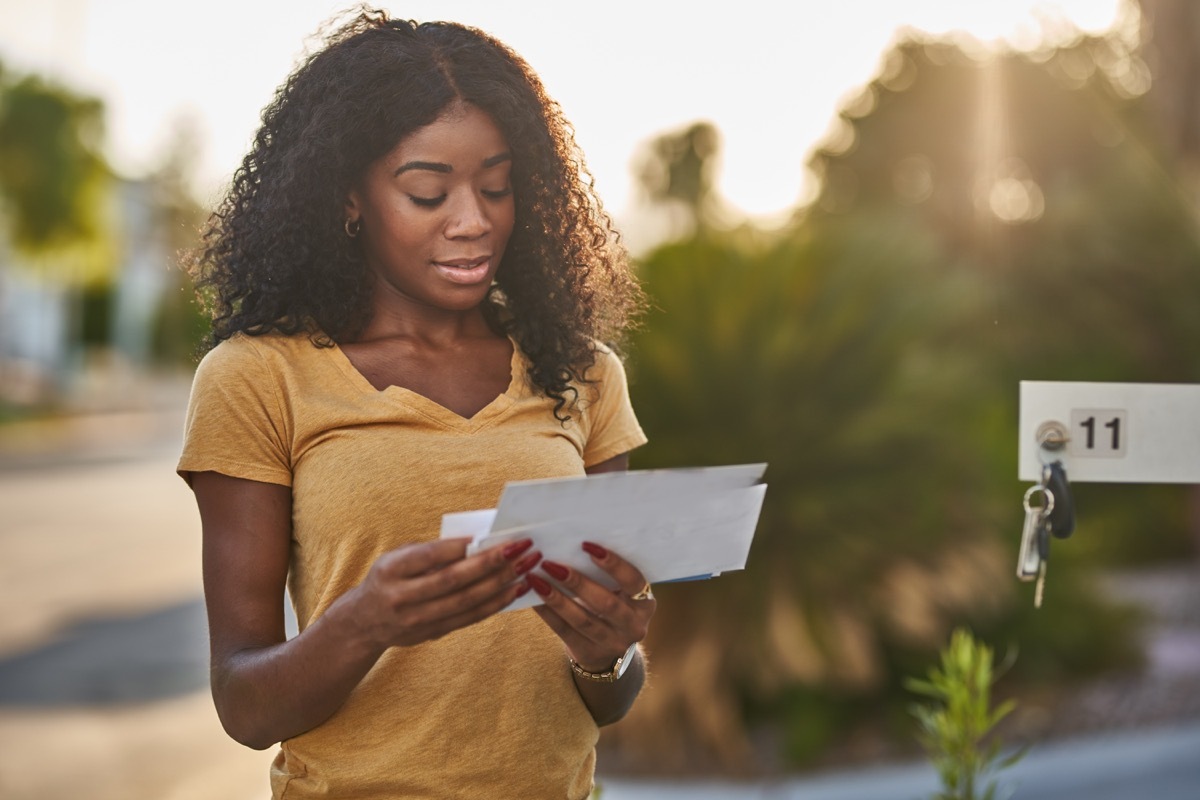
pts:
[275, 257]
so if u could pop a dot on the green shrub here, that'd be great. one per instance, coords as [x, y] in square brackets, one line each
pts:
[958, 721]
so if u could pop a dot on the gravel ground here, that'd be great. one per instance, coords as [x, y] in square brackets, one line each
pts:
[1168, 689]
[1164, 693]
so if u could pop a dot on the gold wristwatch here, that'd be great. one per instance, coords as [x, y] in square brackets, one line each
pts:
[613, 674]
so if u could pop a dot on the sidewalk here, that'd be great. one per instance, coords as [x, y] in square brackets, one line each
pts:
[101, 426]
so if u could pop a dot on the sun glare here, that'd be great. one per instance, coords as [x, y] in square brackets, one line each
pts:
[850, 63]
[1023, 25]
[774, 92]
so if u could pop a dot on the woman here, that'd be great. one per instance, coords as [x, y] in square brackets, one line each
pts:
[408, 280]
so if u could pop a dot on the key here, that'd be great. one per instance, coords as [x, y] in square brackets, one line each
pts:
[1043, 546]
[1039, 586]
[1029, 558]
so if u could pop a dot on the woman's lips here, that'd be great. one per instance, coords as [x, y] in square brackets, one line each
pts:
[465, 270]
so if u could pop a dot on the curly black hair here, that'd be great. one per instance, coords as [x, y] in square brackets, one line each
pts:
[275, 256]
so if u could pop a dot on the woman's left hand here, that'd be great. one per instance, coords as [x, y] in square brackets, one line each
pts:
[597, 624]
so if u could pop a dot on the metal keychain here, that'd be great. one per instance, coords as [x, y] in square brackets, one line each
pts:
[1029, 558]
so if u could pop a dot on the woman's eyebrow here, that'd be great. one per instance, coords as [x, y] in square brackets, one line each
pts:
[432, 166]
[446, 169]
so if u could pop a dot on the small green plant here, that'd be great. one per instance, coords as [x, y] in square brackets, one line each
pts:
[957, 723]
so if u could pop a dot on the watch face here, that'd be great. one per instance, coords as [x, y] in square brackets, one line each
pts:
[627, 659]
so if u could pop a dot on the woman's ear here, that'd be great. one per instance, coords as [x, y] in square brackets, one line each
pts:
[352, 215]
[353, 206]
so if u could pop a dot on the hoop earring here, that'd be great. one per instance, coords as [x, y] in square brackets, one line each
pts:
[352, 227]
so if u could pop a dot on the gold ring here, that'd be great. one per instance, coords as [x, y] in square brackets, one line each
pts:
[644, 594]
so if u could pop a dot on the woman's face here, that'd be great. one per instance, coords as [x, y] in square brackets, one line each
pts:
[436, 212]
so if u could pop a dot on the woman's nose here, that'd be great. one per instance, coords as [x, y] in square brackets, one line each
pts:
[468, 218]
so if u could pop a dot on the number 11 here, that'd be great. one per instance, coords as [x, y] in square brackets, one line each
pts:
[1114, 423]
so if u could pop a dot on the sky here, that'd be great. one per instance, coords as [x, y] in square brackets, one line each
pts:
[770, 74]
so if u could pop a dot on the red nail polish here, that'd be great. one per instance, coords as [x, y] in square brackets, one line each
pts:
[595, 550]
[556, 570]
[521, 591]
[515, 549]
[528, 562]
[539, 585]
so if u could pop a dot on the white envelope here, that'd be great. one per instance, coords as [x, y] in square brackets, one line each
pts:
[673, 524]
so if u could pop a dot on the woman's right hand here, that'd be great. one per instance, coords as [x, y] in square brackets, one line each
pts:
[421, 592]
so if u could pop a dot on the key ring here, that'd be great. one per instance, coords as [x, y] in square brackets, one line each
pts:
[1047, 506]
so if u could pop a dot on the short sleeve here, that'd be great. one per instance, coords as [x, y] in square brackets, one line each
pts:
[611, 425]
[236, 424]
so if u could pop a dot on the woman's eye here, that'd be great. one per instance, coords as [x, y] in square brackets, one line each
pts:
[498, 193]
[427, 202]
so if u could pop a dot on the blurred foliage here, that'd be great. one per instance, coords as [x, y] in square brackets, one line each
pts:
[680, 169]
[179, 328]
[53, 180]
[180, 325]
[96, 312]
[980, 221]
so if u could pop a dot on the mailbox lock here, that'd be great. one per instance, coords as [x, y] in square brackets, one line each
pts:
[1052, 435]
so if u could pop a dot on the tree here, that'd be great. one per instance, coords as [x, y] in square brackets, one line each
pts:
[980, 221]
[676, 171]
[54, 206]
[1041, 183]
[52, 177]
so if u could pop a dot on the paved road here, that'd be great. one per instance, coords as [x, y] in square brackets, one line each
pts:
[102, 638]
[102, 664]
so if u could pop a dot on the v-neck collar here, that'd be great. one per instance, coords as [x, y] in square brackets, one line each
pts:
[432, 409]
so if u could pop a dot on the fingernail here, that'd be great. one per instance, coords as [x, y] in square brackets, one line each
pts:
[521, 591]
[528, 562]
[594, 549]
[539, 585]
[516, 548]
[556, 570]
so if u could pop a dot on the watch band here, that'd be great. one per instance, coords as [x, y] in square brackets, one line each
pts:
[613, 673]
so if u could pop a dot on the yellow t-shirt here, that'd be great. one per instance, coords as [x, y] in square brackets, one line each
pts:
[487, 711]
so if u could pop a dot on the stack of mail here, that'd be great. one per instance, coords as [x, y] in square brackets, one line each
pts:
[672, 524]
